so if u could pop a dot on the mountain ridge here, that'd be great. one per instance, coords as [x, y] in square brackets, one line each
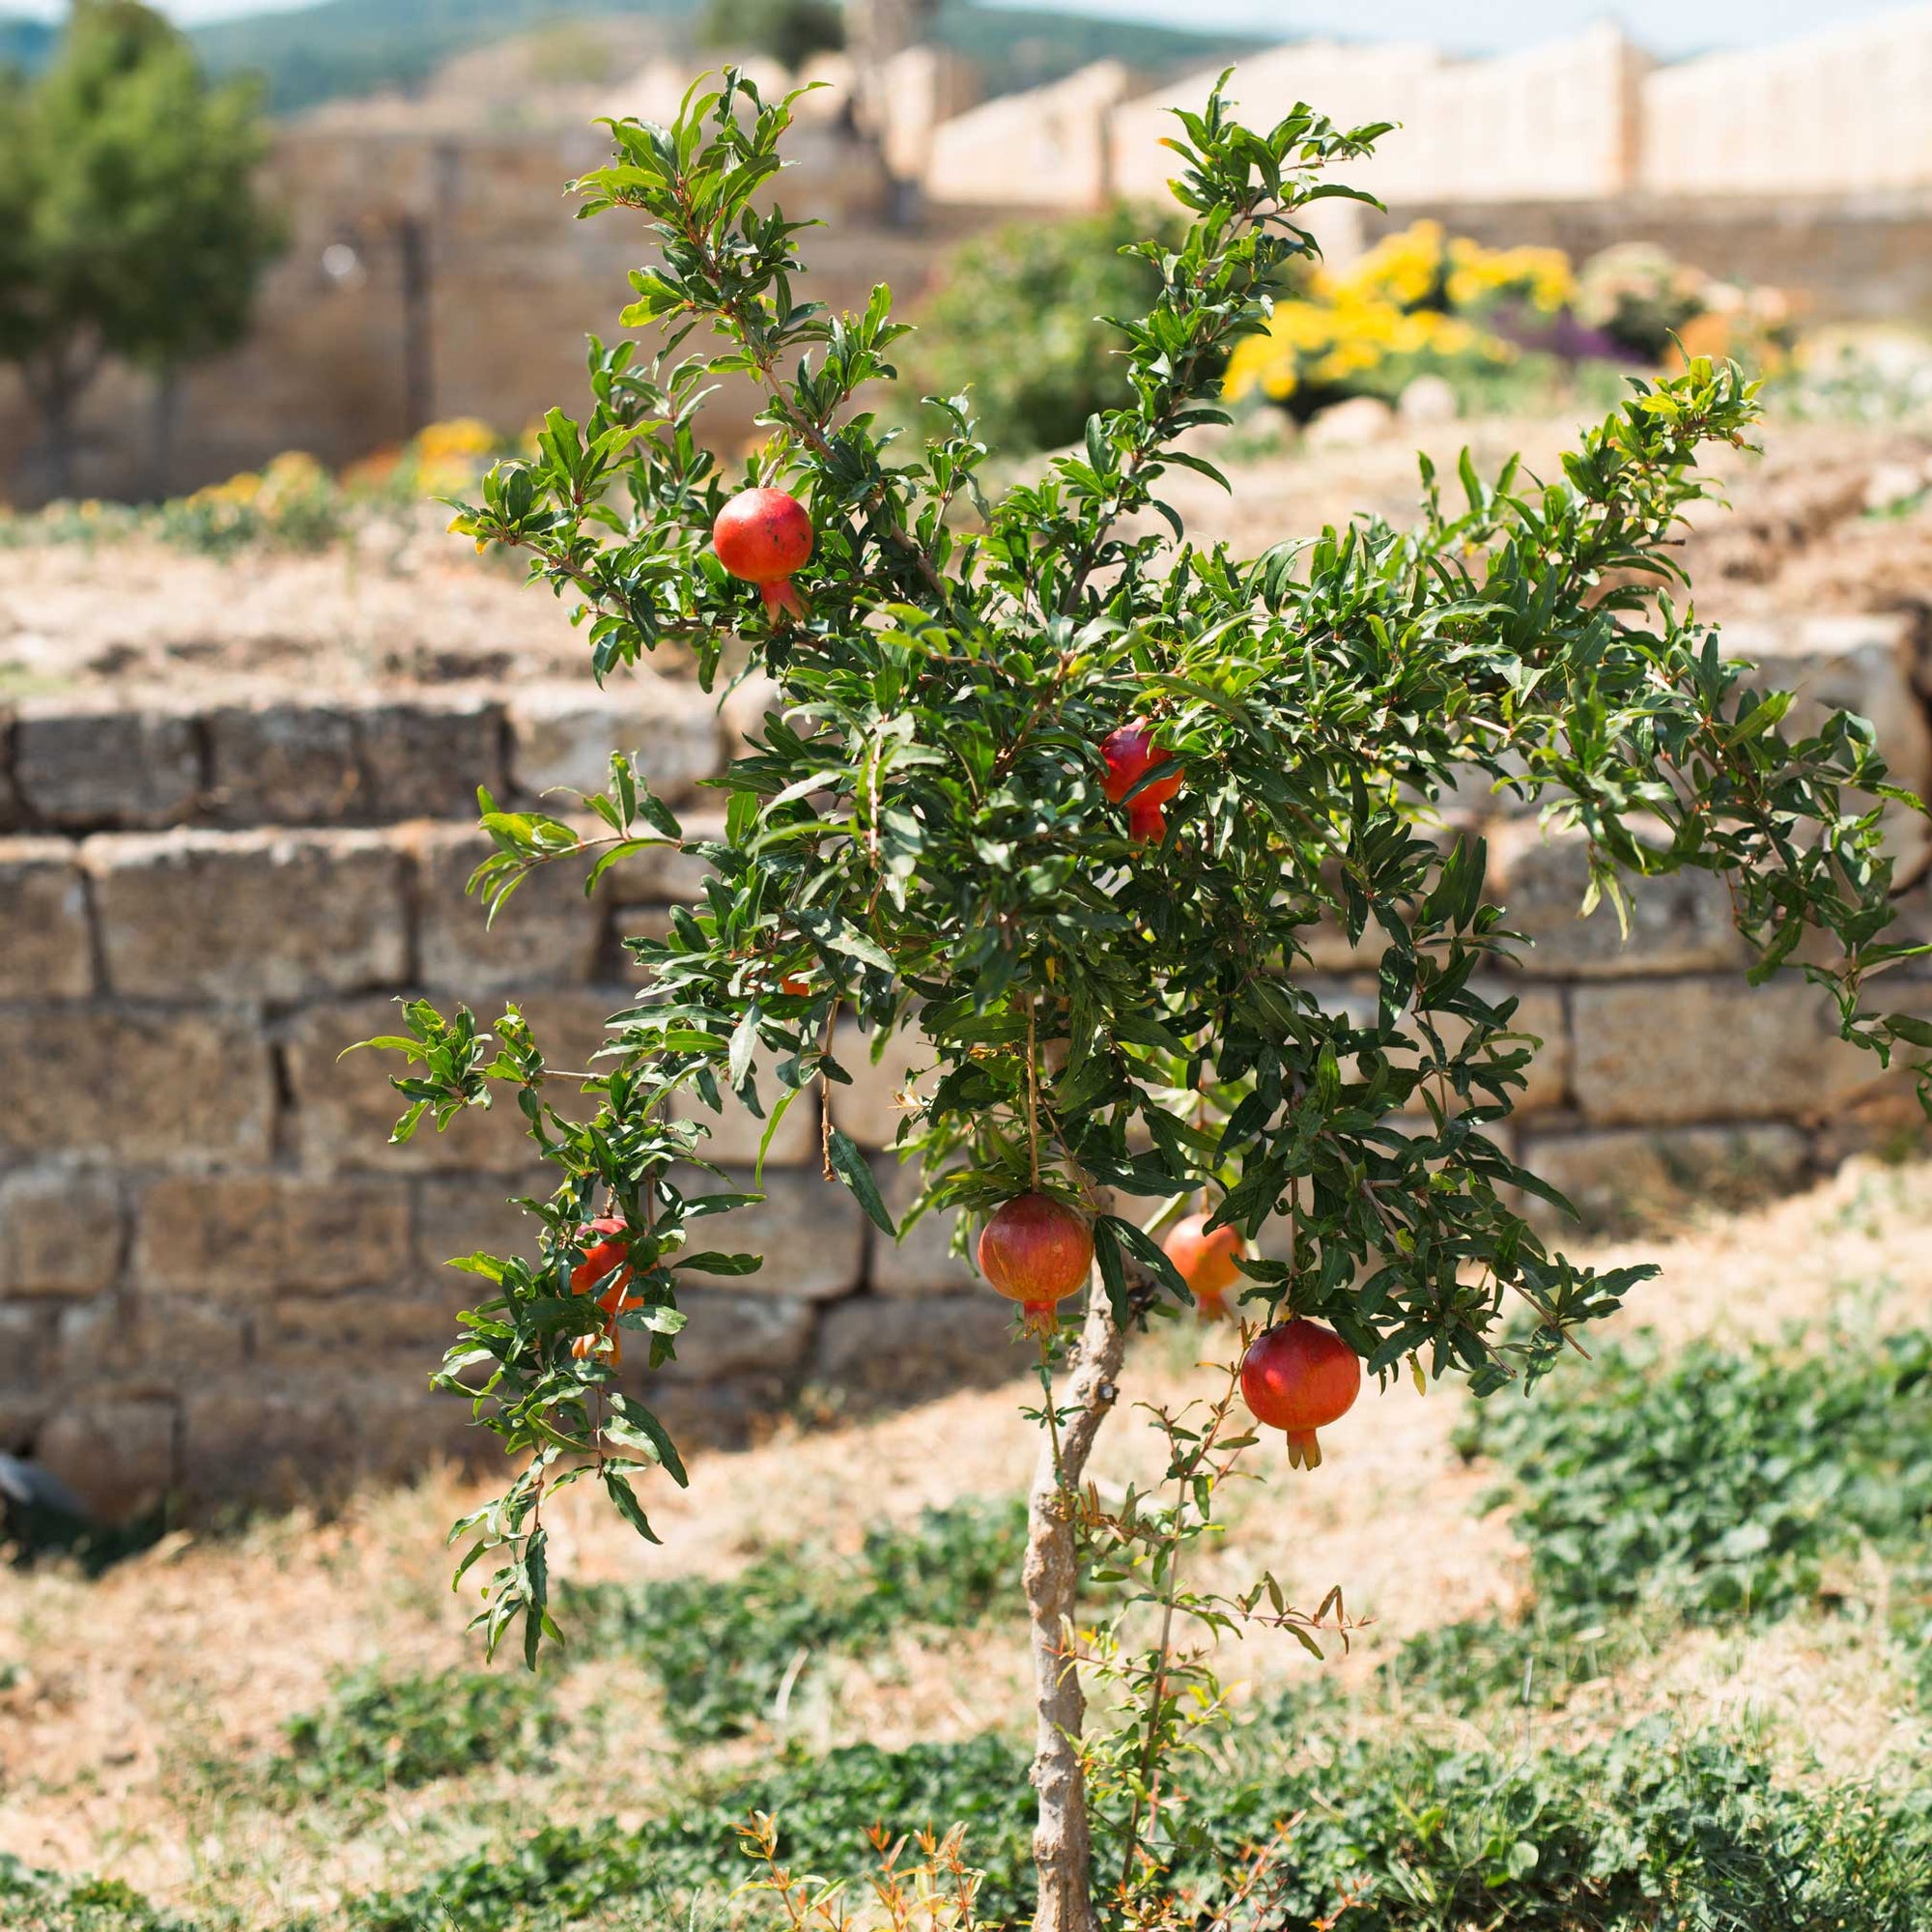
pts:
[341, 47]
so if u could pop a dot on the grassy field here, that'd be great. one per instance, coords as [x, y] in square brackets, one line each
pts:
[1654, 1651]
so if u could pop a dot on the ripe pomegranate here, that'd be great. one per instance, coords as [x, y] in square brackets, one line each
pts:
[1130, 754]
[764, 535]
[1036, 1252]
[1205, 1262]
[599, 1259]
[1301, 1377]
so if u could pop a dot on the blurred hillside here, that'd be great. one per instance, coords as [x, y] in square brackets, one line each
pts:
[364, 47]
[25, 43]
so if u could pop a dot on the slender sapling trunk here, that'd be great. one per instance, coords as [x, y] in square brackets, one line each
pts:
[1062, 1841]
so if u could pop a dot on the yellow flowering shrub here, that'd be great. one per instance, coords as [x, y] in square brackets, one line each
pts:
[1415, 303]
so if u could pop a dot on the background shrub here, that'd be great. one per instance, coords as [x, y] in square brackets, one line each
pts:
[1017, 323]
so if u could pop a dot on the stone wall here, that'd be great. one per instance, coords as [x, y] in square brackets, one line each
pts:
[1807, 165]
[217, 1279]
[1840, 112]
[1553, 120]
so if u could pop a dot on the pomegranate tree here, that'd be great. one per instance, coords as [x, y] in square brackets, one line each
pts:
[929, 835]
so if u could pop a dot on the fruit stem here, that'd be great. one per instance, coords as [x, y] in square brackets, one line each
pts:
[1304, 1449]
[1032, 1095]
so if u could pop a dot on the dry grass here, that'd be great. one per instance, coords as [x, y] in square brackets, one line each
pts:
[131, 1743]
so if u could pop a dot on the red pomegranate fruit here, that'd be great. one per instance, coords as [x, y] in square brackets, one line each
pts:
[600, 1257]
[1130, 754]
[762, 536]
[1205, 1262]
[1036, 1252]
[1301, 1377]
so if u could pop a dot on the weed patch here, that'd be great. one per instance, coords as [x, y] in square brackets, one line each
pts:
[1649, 1832]
[381, 1732]
[722, 1650]
[1719, 1484]
[40, 1901]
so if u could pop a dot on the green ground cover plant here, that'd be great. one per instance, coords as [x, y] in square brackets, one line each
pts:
[723, 1649]
[43, 1901]
[1719, 1482]
[379, 1732]
[1652, 1831]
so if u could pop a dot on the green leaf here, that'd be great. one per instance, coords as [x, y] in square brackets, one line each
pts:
[852, 1168]
[621, 1493]
[710, 1261]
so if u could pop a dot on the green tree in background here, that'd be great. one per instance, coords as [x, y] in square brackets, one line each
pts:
[128, 220]
[789, 31]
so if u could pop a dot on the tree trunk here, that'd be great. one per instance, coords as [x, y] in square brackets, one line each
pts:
[56, 407]
[1062, 1842]
[166, 428]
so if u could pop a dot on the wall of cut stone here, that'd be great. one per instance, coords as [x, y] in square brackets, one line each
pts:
[217, 1279]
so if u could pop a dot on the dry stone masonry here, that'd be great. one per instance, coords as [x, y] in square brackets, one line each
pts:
[217, 1279]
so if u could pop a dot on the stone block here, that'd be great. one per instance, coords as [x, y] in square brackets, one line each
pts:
[922, 1260]
[283, 1438]
[1691, 1050]
[809, 1229]
[117, 1457]
[561, 735]
[22, 1413]
[191, 1090]
[470, 1213]
[904, 1351]
[732, 1334]
[251, 1441]
[1628, 1179]
[286, 763]
[1678, 924]
[869, 1109]
[100, 765]
[298, 1333]
[736, 1132]
[250, 1236]
[263, 915]
[26, 1332]
[60, 1232]
[547, 933]
[46, 953]
[665, 874]
[136, 1347]
[424, 757]
[1863, 662]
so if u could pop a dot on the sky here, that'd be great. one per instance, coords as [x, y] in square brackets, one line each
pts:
[1666, 27]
